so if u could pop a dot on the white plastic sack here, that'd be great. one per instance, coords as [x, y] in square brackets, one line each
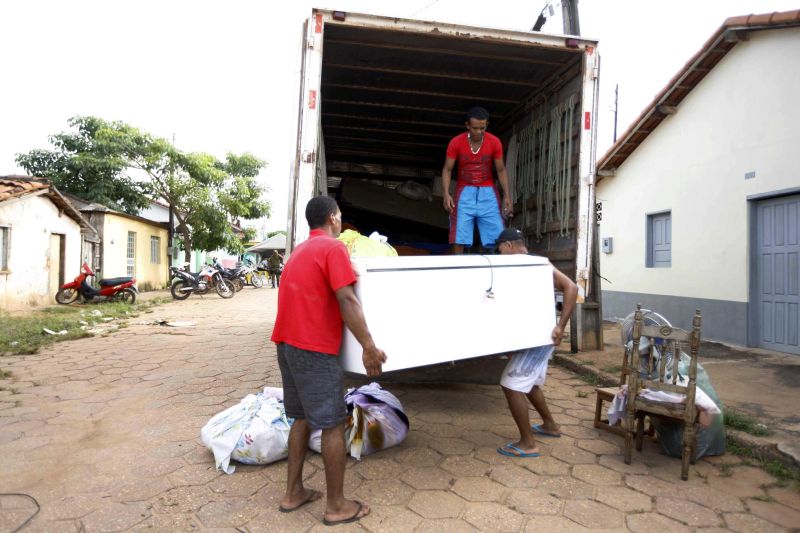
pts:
[254, 431]
[379, 421]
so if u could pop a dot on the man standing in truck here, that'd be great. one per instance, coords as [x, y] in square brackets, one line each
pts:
[316, 300]
[476, 198]
[525, 372]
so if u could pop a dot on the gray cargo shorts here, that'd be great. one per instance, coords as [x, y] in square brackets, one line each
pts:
[313, 386]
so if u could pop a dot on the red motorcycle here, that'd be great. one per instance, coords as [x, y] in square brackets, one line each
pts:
[118, 289]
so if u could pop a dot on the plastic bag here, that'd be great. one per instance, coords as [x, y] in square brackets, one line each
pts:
[379, 421]
[361, 246]
[711, 438]
[254, 431]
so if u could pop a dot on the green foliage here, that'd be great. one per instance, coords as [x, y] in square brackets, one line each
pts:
[83, 165]
[273, 233]
[744, 422]
[206, 194]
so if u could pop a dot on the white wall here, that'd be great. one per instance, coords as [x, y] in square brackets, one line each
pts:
[743, 117]
[32, 220]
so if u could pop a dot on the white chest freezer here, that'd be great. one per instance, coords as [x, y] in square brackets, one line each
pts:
[433, 309]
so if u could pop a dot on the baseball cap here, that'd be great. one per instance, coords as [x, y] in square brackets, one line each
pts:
[509, 235]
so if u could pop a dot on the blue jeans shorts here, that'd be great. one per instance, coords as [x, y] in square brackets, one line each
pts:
[478, 204]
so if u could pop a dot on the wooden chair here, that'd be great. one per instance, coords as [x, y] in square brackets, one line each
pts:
[668, 341]
[606, 394]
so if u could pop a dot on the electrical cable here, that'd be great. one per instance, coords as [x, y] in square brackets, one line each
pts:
[489, 293]
[31, 498]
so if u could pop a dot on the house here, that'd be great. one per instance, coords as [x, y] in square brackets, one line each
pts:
[130, 245]
[700, 197]
[43, 240]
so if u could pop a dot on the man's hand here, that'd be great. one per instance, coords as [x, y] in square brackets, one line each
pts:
[557, 335]
[447, 202]
[373, 358]
[508, 208]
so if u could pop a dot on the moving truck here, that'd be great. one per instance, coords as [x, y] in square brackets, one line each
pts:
[380, 98]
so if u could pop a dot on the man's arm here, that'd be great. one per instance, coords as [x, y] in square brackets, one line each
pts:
[447, 175]
[570, 291]
[353, 317]
[502, 177]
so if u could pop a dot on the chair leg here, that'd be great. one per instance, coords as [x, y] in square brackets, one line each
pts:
[598, 411]
[639, 431]
[686, 456]
[629, 429]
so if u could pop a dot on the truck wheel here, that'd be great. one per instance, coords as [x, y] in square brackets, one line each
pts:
[66, 296]
[225, 289]
[178, 292]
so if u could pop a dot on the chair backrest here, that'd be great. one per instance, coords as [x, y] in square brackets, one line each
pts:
[662, 372]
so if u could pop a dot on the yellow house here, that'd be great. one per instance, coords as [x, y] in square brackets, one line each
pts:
[129, 245]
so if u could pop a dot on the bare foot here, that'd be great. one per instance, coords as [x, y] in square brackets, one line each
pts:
[349, 512]
[293, 502]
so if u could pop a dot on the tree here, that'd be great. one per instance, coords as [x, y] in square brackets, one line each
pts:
[82, 166]
[206, 194]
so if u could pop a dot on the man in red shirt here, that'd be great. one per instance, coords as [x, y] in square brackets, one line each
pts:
[315, 300]
[476, 198]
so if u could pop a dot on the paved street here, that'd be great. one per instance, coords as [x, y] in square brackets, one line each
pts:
[104, 434]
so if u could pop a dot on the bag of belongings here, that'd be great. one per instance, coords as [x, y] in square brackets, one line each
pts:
[254, 431]
[376, 421]
[362, 246]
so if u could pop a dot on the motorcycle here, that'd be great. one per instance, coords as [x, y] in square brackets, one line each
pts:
[251, 276]
[234, 275]
[121, 289]
[199, 282]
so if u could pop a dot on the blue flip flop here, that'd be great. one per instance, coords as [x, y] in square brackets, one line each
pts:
[510, 446]
[539, 431]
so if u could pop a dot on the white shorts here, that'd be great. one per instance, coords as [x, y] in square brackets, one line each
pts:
[527, 369]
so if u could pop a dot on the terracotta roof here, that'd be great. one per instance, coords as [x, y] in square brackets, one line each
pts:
[17, 186]
[721, 42]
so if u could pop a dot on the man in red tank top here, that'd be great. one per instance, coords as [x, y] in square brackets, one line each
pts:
[476, 198]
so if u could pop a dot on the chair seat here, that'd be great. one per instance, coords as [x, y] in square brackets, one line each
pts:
[607, 392]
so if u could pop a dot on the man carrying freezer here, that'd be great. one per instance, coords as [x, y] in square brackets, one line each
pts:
[525, 373]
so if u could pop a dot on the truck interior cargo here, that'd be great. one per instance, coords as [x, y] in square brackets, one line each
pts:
[393, 95]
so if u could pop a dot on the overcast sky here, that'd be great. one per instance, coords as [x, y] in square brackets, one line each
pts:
[222, 76]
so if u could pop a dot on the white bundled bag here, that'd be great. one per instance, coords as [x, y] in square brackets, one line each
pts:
[254, 431]
[379, 421]
[376, 422]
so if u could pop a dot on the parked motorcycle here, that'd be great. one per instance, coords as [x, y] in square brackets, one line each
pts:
[121, 289]
[251, 276]
[234, 275]
[199, 282]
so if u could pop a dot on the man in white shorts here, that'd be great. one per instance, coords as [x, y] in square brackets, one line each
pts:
[525, 373]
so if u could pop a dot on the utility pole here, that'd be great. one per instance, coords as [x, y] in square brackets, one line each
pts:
[569, 12]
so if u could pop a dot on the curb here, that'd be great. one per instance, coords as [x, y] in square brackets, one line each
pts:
[760, 447]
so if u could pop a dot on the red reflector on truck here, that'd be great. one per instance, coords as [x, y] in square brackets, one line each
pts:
[318, 23]
[312, 99]
[587, 120]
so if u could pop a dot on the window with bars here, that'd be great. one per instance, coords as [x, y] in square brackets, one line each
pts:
[155, 250]
[5, 234]
[131, 253]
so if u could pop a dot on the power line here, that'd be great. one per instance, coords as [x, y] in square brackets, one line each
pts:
[423, 9]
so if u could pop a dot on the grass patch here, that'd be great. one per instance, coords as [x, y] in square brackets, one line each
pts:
[613, 369]
[591, 379]
[786, 475]
[586, 363]
[744, 422]
[582, 394]
[5, 374]
[25, 334]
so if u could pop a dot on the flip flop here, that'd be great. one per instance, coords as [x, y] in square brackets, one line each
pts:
[505, 450]
[313, 495]
[539, 431]
[357, 516]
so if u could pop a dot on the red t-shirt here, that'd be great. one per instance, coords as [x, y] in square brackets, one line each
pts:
[475, 169]
[308, 311]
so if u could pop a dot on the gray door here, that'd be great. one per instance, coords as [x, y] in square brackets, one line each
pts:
[778, 275]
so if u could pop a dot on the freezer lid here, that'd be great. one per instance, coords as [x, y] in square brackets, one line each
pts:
[445, 262]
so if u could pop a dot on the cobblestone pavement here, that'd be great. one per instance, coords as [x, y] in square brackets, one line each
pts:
[103, 433]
